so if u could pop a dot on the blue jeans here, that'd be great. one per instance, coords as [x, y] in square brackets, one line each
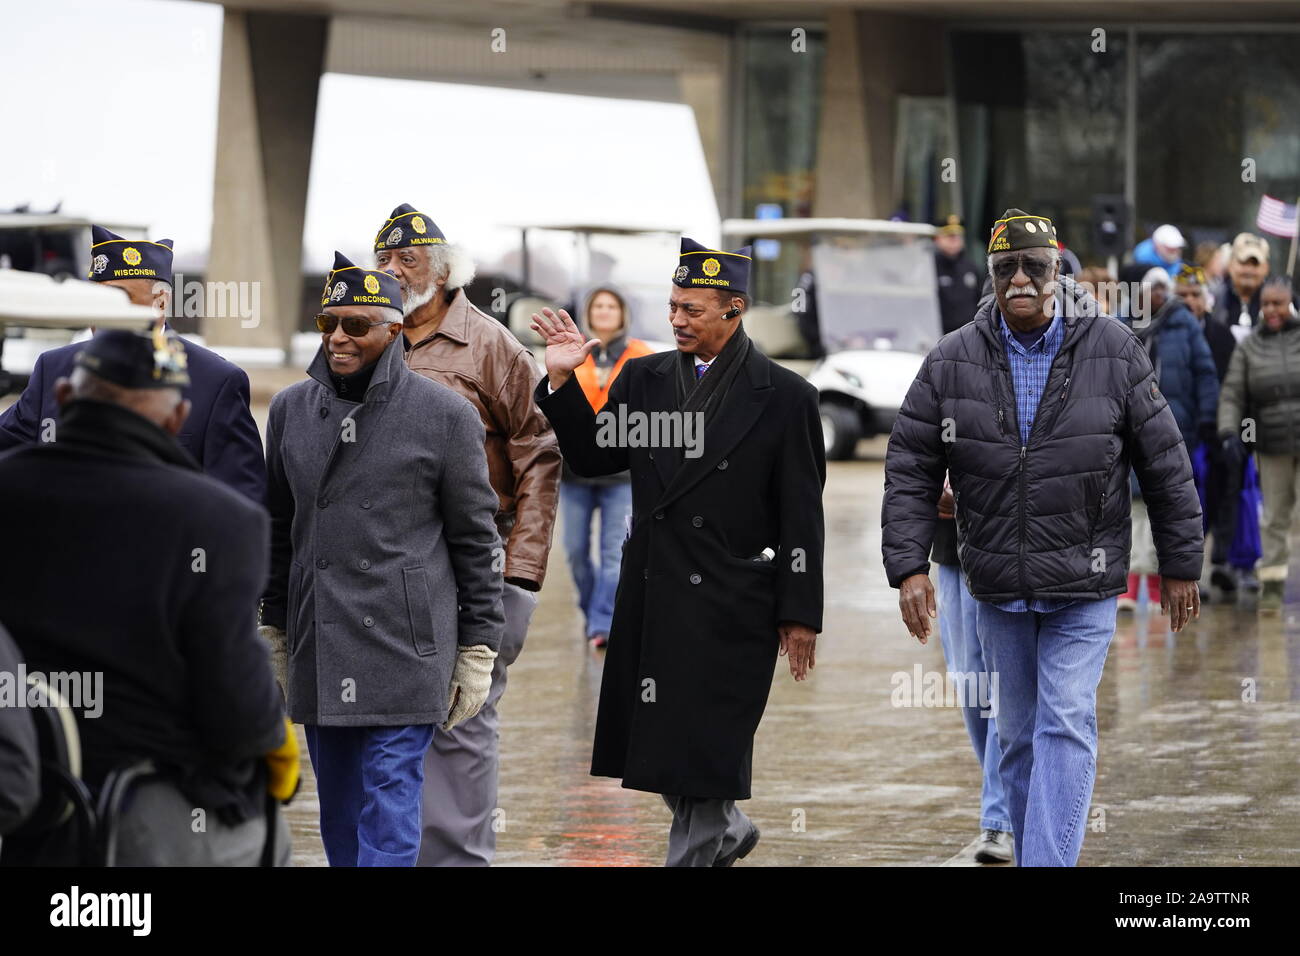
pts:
[1048, 667]
[964, 655]
[368, 780]
[596, 583]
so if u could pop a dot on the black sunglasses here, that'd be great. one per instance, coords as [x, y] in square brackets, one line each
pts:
[1035, 267]
[353, 325]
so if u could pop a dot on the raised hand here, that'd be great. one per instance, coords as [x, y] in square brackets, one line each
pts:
[566, 349]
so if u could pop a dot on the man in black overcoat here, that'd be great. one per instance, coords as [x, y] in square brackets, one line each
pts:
[722, 566]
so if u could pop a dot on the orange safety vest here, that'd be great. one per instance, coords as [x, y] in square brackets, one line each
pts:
[590, 381]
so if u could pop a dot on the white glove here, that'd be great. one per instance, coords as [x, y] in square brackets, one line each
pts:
[279, 642]
[471, 680]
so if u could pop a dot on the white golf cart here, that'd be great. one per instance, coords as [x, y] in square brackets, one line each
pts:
[871, 305]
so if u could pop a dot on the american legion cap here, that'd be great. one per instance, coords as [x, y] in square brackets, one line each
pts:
[153, 359]
[1019, 230]
[701, 267]
[349, 284]
[112, 257]
[408, 227]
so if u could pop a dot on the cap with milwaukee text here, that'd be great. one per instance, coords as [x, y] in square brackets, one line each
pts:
[112, 257]
[349, 284]
[153, 359]
[701, 267]
[1019, 230]
[407, 227]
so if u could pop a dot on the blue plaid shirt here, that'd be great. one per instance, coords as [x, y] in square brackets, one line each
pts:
[1029, 371]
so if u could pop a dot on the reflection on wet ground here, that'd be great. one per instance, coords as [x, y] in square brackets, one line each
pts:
[1199, 760]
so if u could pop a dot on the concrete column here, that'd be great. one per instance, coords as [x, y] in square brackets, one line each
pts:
[871, 59]
[705, 92]
[266, 118]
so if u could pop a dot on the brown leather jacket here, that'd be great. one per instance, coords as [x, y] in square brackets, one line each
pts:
[476, 356]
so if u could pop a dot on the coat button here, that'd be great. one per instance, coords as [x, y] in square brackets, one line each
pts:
[364, 564]
[659, 516]
[652, 456]
[722, 465]
[697, 521]
[324, 411]
[368, 621]
[696, 579]
[365, 502]
[322, 502]
[322, 563]
[645, 575]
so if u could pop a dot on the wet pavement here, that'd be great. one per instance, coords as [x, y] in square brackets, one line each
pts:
[1199, 737]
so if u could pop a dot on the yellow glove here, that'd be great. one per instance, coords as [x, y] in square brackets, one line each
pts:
[471, 680]
[279, 642]
[283, 764]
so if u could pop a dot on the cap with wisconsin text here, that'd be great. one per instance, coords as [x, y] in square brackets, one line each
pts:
[1019, 230]
[408, 227]
[701, 267]
[112, 257]
[349, 284]
[153, 359]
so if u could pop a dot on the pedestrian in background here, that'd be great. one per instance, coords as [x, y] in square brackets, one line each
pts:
[1185, 373]
[964, 656]
[605, 317]
[1164, 249]
[957, 276]
[1236, 298]
[1263, 385]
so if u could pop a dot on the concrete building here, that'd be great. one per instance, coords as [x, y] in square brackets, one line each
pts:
[1190, 111]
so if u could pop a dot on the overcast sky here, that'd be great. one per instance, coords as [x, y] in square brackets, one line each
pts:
[110, 107]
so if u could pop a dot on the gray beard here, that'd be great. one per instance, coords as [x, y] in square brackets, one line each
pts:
[414, 300]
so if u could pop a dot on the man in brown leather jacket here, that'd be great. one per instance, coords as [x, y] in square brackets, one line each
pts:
[453, 343]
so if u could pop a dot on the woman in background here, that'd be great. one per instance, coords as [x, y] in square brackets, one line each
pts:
[605, 315]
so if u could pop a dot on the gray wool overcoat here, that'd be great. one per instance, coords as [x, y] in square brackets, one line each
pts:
[385, 556]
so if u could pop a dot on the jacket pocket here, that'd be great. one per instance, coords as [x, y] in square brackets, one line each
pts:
[1095, 521]
[419, 610]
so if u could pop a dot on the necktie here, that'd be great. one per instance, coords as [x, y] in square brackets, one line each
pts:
[700, 370]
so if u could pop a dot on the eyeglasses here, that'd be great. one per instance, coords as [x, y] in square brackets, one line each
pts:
[1035, 267]
[353, 325]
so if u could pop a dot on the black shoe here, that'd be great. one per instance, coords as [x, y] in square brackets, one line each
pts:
[1221, 577]
[995, 846]
[739, 853]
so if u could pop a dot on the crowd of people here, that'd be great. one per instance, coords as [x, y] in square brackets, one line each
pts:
[373, 576]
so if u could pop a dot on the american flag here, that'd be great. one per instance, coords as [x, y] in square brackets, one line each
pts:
[1276, 218]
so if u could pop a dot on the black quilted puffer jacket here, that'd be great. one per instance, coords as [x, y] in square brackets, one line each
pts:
[1049, 519]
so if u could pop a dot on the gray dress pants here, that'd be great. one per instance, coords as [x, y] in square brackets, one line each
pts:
[159, 827]
[460, 768]
[704, 829]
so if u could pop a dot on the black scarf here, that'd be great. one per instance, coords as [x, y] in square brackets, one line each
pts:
[352, 387]
[706, 394]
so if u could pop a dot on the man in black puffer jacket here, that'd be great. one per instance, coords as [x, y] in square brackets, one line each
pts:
[1037, 409]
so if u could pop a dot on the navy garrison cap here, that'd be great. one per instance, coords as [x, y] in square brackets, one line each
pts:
[349, 284]
[112, 257]
[702, 267]
[153, 359]
[1019, 230]
[407, 227]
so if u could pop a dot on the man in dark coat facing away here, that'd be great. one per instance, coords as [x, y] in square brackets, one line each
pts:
[219, 432]
[141, 574]
[722, 566]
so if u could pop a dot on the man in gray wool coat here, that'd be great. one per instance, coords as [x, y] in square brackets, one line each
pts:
[384, 605]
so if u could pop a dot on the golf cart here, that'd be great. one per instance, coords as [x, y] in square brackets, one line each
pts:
[615, 243]
[866, 308]
[47, 247]
[54, 311]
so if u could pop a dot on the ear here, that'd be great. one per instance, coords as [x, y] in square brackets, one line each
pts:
[62, 391]
[172, 425]
[393, 329]
[162, 300]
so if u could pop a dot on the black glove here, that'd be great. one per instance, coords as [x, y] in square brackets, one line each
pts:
[1208, 435]
[1233, 450]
